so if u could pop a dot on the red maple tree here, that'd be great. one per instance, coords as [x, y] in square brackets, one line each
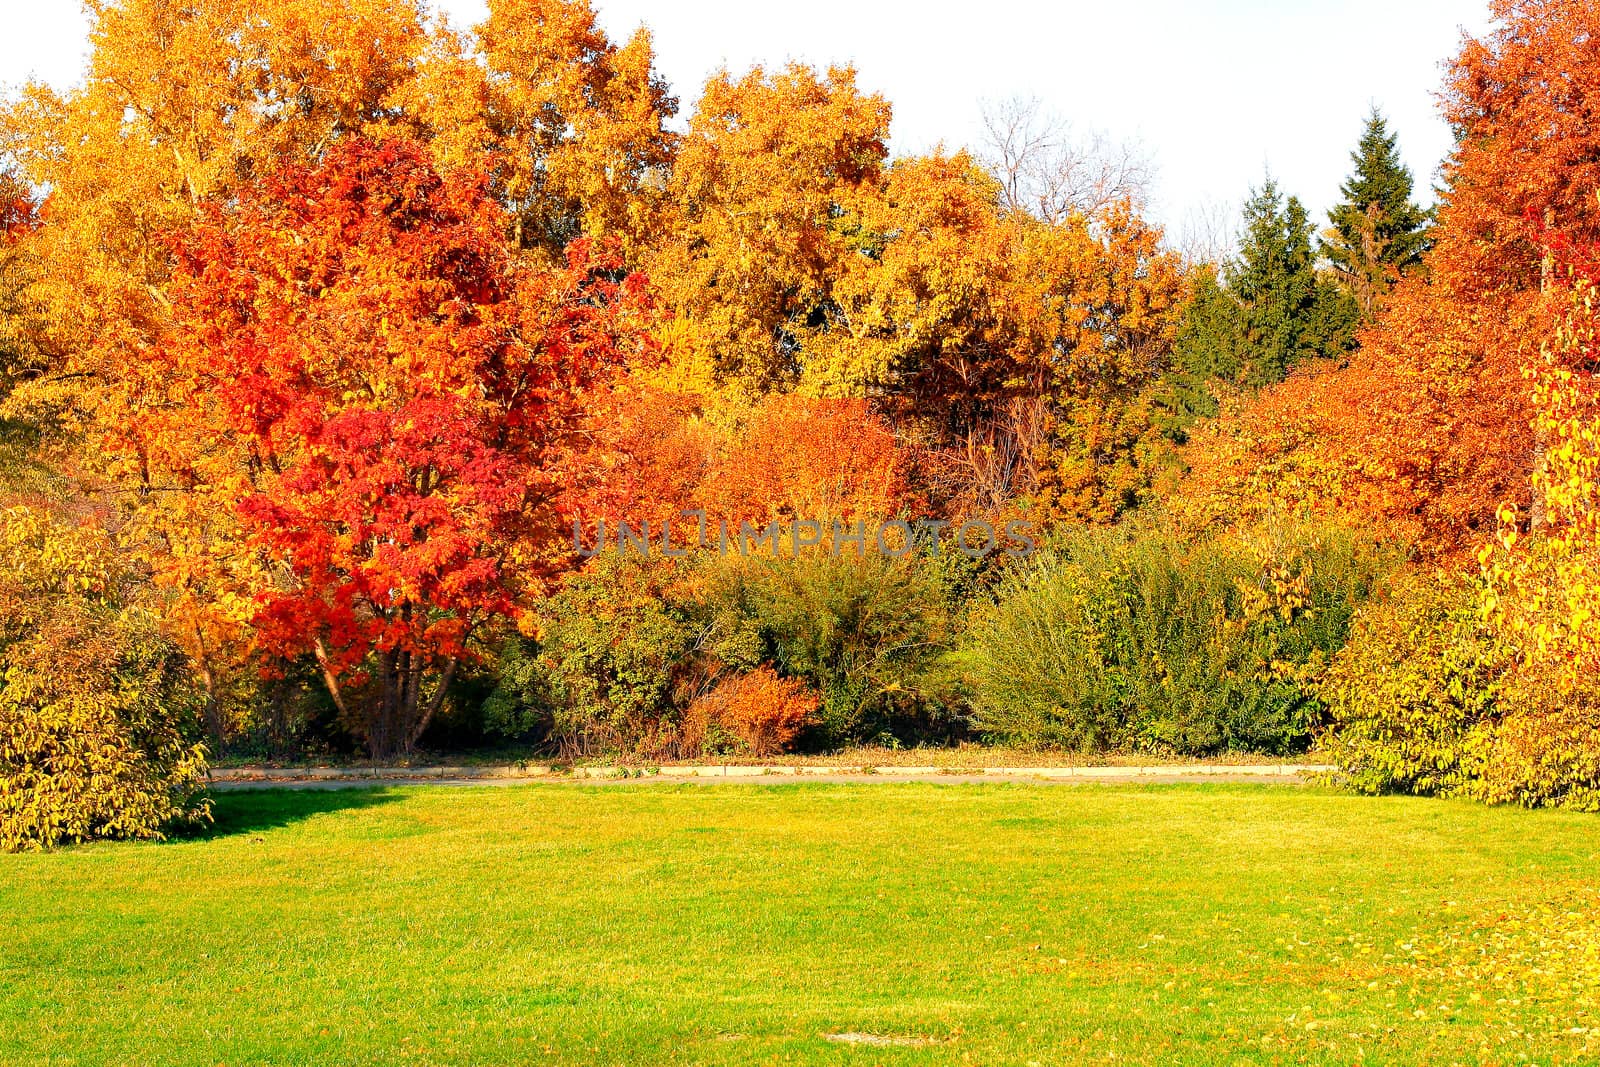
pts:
[388, 392]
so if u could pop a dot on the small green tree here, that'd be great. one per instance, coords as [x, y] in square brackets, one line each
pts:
[1208, 341]
[1207, 348]
[1377, 234]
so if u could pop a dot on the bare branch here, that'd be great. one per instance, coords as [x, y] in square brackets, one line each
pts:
[1048, 170]
[1209, 233]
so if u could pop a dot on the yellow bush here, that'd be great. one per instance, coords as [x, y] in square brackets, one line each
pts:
[96, 710]
[1416, 693]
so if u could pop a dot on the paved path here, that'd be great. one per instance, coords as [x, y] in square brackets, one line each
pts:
[358, 777]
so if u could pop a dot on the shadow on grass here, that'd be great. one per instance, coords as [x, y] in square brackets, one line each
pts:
[249, 811]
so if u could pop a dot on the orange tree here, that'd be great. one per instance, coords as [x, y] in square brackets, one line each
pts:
[991, 333]
[378, 388]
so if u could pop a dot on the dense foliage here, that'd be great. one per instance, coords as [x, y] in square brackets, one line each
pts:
[1142, 640]
[98, 714]
[631, 653]
[391, 370]
[1412, 693]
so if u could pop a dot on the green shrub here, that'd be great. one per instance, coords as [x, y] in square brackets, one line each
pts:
[628, 645]
[866, 632]
[619, 648]
[520, 704]
[1130, 637]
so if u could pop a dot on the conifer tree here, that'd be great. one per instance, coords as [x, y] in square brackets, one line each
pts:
[1205, 349]
[1377, 232]
[1287, 311]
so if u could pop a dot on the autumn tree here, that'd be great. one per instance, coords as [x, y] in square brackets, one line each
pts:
[766, 195]
[364, 374]
[184, 105]
[997, 337]
[1545, 582]
[19, 317]
[573, 121]
[808, 459]
[185, 102]
[182, 102]
[918, 319]
[1377, 233]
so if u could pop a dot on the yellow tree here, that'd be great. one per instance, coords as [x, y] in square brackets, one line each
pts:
[181, 102]
[574, 121]
[1545, 583]
[1542, 585]
[767, 196]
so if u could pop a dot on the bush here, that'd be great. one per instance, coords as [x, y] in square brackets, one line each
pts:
[1414, 696]
[1544, 754]
[1131, 637]
[98, 714]
[865, 632]
[756, 714]
[619, 649]
[629, 646]
[1430, 698]
[520, 704]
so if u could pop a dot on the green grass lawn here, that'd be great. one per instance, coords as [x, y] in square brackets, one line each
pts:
[990, 924]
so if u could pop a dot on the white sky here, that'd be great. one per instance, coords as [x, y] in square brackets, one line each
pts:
[1217, 91]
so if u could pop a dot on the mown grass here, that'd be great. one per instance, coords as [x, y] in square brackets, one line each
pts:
[746, 923]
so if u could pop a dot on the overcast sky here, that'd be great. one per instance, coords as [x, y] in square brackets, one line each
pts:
[1217, 91]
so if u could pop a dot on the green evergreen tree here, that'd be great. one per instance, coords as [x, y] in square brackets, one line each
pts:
[1207, 341]
[1251, 320]
[1378, 234]
[1206, 348]
[1287, 312]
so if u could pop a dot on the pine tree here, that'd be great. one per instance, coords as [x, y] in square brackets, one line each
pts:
[1205, 349]
[1207, 341]
[1287, 312]
[1377, 233]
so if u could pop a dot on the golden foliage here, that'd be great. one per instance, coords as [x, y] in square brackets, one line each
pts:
[95, 709]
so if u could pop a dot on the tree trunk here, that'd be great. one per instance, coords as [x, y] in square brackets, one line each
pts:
[399, 718]
[382, 719]
[434, 704]
[213, 709]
